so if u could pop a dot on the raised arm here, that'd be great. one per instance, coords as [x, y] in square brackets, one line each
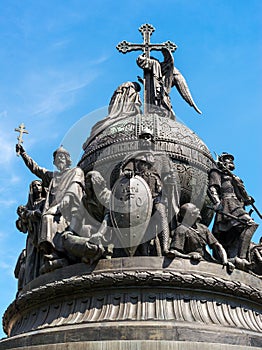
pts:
[40, 172]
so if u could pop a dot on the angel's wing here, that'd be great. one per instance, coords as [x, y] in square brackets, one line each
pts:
[181, 85]
[167, 67]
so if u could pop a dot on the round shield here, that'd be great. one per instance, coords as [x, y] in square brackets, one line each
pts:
[130, 210]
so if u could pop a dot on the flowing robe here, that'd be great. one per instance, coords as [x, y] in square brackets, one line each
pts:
[55, 218]
[29, 222]
[161, 75]
[124, 103]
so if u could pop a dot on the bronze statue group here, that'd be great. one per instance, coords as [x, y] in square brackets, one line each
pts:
[67, 218]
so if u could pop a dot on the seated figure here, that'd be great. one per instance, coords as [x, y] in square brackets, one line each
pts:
[124, 103]
[86, 234]
[191, 238]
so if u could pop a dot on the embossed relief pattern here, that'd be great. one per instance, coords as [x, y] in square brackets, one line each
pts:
[177, 299]
[171, 137]
[140, 306]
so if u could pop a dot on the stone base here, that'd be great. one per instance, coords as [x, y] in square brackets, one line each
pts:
[137, 303]
[127, 345]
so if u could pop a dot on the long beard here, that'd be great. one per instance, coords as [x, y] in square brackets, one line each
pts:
[61, 166]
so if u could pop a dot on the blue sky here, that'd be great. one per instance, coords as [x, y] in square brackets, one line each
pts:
[59, 64]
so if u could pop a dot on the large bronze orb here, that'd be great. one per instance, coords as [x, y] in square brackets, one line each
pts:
[174, 144]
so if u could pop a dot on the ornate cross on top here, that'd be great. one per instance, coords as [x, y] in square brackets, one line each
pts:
[21, 129]
[146, 30]
[124, 46]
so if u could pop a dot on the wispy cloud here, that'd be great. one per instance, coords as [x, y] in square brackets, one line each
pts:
[8, 267]
[61, 97]
[6, 151]
[8, 258]
[14, 179]
[5, 266]
[6, 203]
[100, 60]
[60, 44]
[3, 114]
[2, 235]
[52, 92]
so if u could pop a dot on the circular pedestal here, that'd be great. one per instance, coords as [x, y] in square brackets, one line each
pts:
[137, 303]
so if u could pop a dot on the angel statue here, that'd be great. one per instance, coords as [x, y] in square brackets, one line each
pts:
[163, 76]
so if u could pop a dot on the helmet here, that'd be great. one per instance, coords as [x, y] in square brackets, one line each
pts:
[61, 149]
[225, 156]
[146, 131]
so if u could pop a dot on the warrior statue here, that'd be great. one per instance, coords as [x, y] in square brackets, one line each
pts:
[233, 226]
[65, 190]
[142, 163]
[171, 181]
[29, 222]
[191, 238]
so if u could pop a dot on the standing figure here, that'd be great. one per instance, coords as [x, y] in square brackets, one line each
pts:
[29, 222]
[141, 163]
[171, 182]
[65, 190]
[191, 238]
[233, 226]
[163, 76]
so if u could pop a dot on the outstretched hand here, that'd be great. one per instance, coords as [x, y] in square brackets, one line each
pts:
[195, 256]
[230, 266]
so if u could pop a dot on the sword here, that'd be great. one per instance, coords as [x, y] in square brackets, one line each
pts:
[255, 208]
[243, 221]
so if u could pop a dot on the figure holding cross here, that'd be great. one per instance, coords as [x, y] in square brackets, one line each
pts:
[64, 193]
[159, 77]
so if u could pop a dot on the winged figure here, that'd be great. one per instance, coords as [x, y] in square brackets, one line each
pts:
[164, 75]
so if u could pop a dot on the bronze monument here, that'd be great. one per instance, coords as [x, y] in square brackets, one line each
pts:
[119, 254]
